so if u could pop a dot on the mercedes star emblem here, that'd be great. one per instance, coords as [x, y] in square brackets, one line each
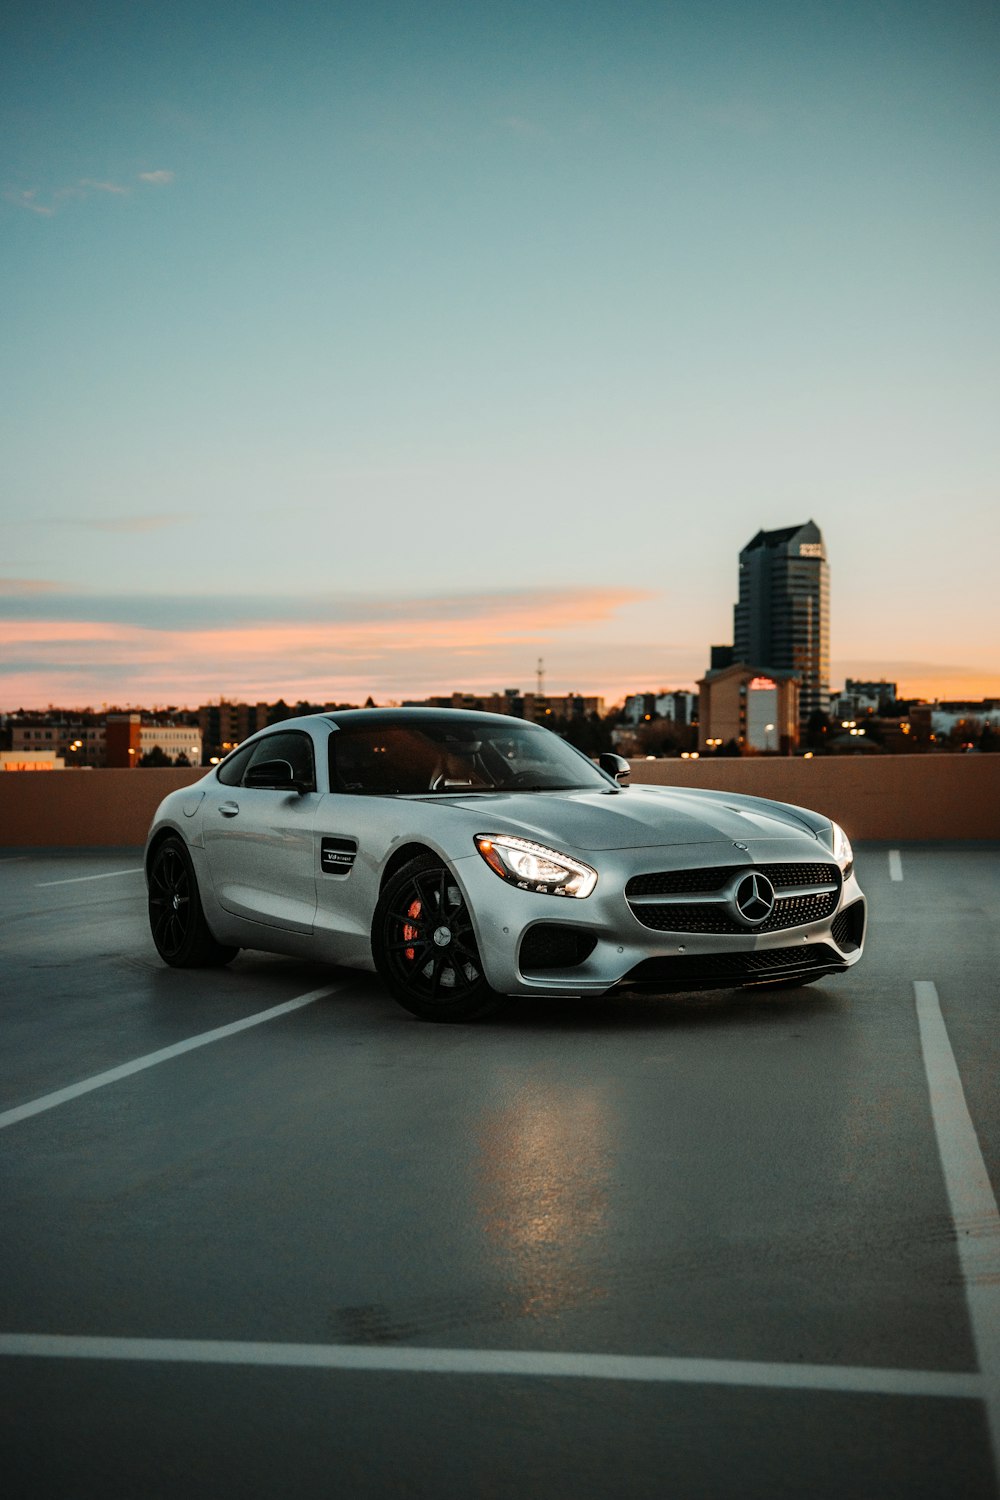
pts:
[754, 899]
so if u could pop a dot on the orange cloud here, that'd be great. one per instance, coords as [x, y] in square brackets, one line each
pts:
[477, 644]
[26, 586]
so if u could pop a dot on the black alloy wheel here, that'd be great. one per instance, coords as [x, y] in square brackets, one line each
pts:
[425, 948]
[176, 919]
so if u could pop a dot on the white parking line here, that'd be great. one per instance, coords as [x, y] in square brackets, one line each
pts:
[75, 879]
[204, 1038]
[973, 1206]
[646, 1368]
[895, 865]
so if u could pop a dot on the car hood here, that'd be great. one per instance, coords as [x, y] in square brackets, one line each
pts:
[640, 817]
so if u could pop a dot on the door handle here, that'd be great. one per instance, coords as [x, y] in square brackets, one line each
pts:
[229, 809]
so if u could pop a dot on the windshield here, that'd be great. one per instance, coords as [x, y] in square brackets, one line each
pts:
[454, 756]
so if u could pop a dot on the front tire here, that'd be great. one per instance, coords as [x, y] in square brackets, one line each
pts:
[176, 919]
[424, 946]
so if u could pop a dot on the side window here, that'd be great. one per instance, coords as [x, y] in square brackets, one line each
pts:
[291, 745]
[230, 773]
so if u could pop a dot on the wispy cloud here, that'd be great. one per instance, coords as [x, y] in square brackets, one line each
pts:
[26, 586]
[91, 184]
[48, 204]
[28, 198]
[395, 615]
[409, 648]
[141, 524]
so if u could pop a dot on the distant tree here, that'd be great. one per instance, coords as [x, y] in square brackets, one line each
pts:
[665, 737]
[589, 733]
[182, 760]
[989, 740]
[819, 729]
[155, 757]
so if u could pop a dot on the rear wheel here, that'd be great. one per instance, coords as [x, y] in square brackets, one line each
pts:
[176, 919]
[424, 946]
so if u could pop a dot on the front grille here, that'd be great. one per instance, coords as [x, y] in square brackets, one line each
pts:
[848, 929]
[548, 946]
[708, 971]
[715, 916]
[680, 882]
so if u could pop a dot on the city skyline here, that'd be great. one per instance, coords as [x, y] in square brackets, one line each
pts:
[384, 350]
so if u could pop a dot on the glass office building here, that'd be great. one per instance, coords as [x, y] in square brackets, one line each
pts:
[782, 620]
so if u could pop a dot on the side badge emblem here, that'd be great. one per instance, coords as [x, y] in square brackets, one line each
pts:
[744, 847]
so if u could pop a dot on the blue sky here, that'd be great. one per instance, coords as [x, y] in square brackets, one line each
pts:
[384, 348]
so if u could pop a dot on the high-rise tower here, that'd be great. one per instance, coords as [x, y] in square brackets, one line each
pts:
[782, 620]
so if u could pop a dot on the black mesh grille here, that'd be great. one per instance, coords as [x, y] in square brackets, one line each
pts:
[548, 946]
[796, 911]
[717, 970]
[703, 916]
[680, 882]
[849, 927]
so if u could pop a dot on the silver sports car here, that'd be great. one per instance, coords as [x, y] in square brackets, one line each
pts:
[470, 856]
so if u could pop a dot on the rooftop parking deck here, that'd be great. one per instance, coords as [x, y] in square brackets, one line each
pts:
[266, 1233]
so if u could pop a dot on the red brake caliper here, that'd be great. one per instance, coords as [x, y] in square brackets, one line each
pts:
[411, 933]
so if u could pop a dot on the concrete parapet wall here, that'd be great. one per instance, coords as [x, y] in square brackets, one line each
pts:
[899, 797]
[85, 808]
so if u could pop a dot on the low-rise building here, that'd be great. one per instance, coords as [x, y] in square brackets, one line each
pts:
[534, 706]
[755, 709]
[78, 741]
[31, 760]
[678, 707]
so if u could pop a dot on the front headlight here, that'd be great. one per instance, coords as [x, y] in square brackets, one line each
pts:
[840, 846]
[533, 867]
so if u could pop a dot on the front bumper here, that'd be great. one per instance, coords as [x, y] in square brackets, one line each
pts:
[620, 951]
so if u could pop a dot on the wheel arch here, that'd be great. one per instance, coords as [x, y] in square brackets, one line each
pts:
[402, 856]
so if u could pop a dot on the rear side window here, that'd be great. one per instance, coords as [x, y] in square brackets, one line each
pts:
[230, 773]
[288, 744]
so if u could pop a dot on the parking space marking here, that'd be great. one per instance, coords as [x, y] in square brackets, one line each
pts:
[895, 865]
[75, 879]
[970, 1193]
[862, 1380]
[125, 1070]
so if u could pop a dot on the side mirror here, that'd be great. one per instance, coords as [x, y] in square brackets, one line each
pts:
[616, 766]
[274, 774]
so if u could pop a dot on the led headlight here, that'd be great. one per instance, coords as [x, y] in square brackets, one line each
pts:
[533, 867]
[840, 846]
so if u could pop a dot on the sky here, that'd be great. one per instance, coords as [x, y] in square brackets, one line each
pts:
[386, 348]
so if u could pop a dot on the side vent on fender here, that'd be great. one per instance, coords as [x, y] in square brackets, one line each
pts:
[337, 856]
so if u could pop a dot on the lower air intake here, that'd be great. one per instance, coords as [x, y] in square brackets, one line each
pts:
[714, 971]
[549, 946]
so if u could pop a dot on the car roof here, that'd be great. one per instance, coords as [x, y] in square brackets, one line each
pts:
[342, 718]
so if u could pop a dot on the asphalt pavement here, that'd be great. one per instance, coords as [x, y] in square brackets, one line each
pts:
[264, 1232]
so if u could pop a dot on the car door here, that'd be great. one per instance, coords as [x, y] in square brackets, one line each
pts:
[260, 841]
